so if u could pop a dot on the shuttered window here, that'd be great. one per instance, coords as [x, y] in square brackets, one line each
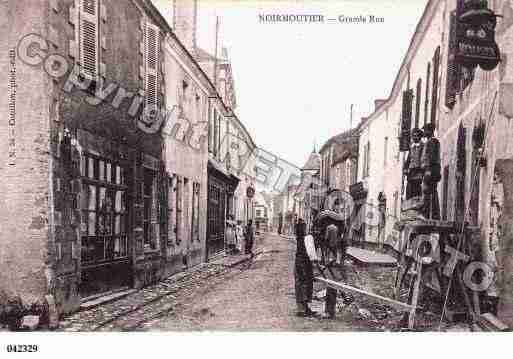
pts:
[216, 132]
[366, 160]
[88, 34]
[210, 133]
[434, 94]
[452, 84]
[426, 97]
[404, 139]
[418, 95]
[152, 58]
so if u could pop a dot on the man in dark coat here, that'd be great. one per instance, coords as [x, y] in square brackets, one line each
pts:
[431, 166]
[336, 242]
[303, 273]
[413, 166]
[250, 237]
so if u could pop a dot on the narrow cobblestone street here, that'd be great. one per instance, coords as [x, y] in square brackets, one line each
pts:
[249, 295]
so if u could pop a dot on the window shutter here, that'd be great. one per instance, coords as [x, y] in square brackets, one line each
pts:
[163, 189]
[152, 49]
[368, 159]
[434, 94]
[452, 82]
[89, 49]
[418, 96]
[426, 97]
[404, 140]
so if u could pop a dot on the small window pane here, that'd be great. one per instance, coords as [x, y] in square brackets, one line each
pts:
[118, 175]
[117, 247]
[92, 224]
[83, 160]
[104, 225]
[124, 246]
[90, 167]
[109, 248]
[118, 201]
[83, 222]
[84, 196]
[109, 172]
[92, 198]
[103, 199]
[102, 171]
[117, 225]
[110, 201]
[123, 224]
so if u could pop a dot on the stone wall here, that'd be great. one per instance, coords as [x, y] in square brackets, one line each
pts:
[27, 251]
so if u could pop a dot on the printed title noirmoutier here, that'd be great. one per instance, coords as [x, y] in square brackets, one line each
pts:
[319, 18]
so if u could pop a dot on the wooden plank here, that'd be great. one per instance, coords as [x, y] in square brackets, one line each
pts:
[434, 225]
[416, 294]
[492, 322]
[344, 287]
[366, 257]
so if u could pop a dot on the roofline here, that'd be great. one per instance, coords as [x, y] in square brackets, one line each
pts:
[415, 41]
[330, 141]
[155, 14]
[234, 117]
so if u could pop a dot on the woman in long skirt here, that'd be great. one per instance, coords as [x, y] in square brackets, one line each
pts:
[230, 235]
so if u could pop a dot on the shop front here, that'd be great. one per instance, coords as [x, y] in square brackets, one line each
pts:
[221, 189]
[120, 214]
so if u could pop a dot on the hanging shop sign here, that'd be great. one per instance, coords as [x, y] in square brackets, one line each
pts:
[476, 36]
[250, 192]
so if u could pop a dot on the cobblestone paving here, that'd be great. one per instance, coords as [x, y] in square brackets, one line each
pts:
[131, 312]
[256, 295]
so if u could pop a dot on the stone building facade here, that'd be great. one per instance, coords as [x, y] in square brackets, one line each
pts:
[479, 190]
[230, 152]
[471, 110]
[380, 159]
[99, 209]
[107, 150]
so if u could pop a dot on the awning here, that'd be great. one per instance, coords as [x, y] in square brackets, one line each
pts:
[222, 173]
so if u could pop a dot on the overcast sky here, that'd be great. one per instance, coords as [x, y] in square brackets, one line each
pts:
[295, 82]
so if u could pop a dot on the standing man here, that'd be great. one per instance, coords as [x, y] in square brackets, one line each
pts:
[413, 166]
[431, 168]
[250, 237]
[336, 272]
[303, 273]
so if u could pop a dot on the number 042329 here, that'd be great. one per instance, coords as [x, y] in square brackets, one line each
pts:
[21, 348]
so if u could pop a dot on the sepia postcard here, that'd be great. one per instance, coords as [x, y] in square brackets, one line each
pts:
[177, 167]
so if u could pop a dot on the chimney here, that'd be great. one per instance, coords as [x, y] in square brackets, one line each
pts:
[378, 103]
[185, 13]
